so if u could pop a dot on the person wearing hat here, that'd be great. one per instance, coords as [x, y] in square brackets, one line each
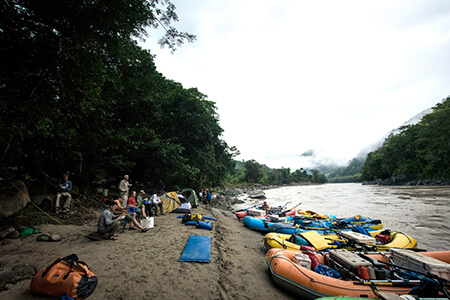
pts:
[140, 200]
[129, 216]
[108, 223]
[265, 206]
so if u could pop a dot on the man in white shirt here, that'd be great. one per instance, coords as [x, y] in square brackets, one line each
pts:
[155, 202]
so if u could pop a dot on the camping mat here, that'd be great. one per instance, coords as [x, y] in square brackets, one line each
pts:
[317, 240]
[197, 249]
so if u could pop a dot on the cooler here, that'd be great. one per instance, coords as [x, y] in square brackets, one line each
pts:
[256, 212]
[276, 218]
[420, 263]
[349, 259]
[358, 237]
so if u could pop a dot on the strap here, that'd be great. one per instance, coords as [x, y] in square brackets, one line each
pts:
[50, 266]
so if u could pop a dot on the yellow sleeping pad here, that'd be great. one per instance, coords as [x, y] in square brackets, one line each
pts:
[317, 240]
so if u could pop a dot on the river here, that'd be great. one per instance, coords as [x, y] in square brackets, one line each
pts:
[422, 212]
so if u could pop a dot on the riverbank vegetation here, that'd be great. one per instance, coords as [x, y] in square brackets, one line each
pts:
[253, 172]
[78, 94]
[417, 152]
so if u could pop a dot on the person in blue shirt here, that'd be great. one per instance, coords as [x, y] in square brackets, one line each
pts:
[63, 188]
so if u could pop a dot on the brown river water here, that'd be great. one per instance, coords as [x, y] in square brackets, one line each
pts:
[422, 212]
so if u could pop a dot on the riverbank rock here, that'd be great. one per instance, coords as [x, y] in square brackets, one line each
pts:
[405, 180]
[257, 194]
[13, 274]
[13, 198]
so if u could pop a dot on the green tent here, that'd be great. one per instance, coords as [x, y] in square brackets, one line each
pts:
[191, 196]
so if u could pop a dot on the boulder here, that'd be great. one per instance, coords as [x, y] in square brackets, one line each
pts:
[13, 274]
[38, 199]
[257, 194]
[13, 198]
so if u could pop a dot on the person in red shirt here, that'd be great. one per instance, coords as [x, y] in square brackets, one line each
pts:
[131, 202]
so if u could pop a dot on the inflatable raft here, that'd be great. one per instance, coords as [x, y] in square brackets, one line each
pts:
[287, 227]
[351, 280]
[349, 240]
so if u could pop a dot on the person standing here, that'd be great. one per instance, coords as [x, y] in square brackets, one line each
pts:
[208, 197]
[161, 186]
[63, 188]
[124, 187]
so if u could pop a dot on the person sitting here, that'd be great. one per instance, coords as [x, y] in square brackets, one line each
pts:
[141, 201]
[265, 206]
[155, 202]
[63, 188]
[129, 216]
[108, 223]
[131, 203]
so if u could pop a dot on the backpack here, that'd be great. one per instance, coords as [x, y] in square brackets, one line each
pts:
[67, 274]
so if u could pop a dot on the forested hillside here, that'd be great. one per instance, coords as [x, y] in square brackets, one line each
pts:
[420, 151]
[249, 172]
[77, 94]
[350, 173]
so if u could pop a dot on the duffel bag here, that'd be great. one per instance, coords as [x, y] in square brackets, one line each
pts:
[67, 274]
[204, 225]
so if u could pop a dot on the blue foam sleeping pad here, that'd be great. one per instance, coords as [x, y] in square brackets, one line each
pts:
[197, 249]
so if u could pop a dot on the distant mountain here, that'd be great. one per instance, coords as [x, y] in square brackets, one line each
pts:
[352, 171]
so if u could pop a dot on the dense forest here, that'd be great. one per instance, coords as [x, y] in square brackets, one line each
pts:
[419, 151]
[253, 172]
[78, 94]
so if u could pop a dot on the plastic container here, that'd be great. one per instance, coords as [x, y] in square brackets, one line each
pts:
[147, 223]
[302, 259]
[358, 237]
[256, 212]
[420, 263]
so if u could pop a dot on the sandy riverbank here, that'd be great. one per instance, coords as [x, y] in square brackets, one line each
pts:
[145, 265]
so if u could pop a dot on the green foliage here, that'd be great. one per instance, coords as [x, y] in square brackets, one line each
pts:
[420, 151]
[252, 172]
[78, 94]
[350, 173]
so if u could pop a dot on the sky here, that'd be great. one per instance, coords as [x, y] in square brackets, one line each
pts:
[298, 83]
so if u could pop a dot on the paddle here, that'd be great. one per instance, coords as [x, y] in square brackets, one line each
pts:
[281, 208]
[296, 205]
[248, 207]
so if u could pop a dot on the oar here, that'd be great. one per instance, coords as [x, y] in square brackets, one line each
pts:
[281, 208]
[295, 206]
[409, 283]
[248, 207]
[379, 263]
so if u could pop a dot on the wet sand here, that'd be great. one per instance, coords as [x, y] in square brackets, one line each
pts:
[146, 265]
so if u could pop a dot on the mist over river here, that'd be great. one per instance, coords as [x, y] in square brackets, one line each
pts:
[422, 212]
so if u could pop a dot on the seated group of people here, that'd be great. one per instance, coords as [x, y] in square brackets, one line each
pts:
[108, 222]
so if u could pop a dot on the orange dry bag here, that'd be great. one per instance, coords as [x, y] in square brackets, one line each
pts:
[67, 274]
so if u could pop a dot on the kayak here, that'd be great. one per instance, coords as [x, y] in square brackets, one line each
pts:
[349, 274]
[348, 240]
